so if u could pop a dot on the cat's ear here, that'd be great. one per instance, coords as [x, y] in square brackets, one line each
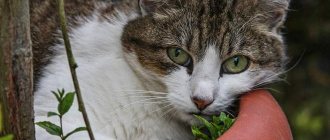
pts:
[148, 6]
[153, 6]
[273, 12]
[270, 13]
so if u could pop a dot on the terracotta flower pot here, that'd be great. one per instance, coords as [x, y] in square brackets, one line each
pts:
[260, 118]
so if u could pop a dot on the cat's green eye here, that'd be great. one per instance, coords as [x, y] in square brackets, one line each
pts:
[179, 56]
[236, 64]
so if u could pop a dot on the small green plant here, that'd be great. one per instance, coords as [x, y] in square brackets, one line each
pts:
[65, 101]
[6, 137]
[211, 130]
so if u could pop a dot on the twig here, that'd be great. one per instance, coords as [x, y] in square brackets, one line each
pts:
[73, 66]
[61, 124]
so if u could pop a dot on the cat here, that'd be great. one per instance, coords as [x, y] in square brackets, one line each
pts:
[147, 66]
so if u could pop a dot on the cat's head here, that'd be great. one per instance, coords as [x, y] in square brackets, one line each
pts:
[206, 52]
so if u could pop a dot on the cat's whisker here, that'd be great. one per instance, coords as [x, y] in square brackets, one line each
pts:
[137, 97]
[271, 89]
[141, 91]
[271, 79]
[166, 112]
[180, 99]
[268, 81]
[154, 111]
[144, 102]
[141, 94]
[169, 105]
[139, 102]
[247, 22]
[127, 108]
[137, 117]
[264, 14]
[154, 93]
[171, 108]
[231, 114]
[262, 83]
[133, 97]
[225, 103]
[172, 115]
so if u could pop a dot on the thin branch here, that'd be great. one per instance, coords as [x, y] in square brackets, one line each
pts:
[61, 124]
[73, 66]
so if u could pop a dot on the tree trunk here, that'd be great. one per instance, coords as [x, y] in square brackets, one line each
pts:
[16, 93]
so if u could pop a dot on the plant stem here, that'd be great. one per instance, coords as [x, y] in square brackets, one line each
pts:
[61, 123]
[73, 66]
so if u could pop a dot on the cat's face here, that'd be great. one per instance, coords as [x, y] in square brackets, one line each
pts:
[206, 52]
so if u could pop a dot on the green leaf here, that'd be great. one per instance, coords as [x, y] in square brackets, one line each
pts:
[61, 92]
[216, 119]
[227, 121]
[223, 116]
[216, 127]
[50, 114]
[8, 137]
[51, 128]
[208, 125]
[57, 96]
[66, 103]
[75, 131]
[198, 134]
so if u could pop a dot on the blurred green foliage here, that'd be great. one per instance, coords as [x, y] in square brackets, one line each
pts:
[5, 137]
[306, 96]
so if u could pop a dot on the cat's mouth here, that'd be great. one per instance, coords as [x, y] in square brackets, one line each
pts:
[199, 114]
[208, 114]
[202, 113]
[231, 110]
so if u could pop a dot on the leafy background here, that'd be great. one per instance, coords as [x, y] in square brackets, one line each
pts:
[305, 97]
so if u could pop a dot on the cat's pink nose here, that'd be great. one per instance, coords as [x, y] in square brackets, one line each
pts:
[201, 104]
